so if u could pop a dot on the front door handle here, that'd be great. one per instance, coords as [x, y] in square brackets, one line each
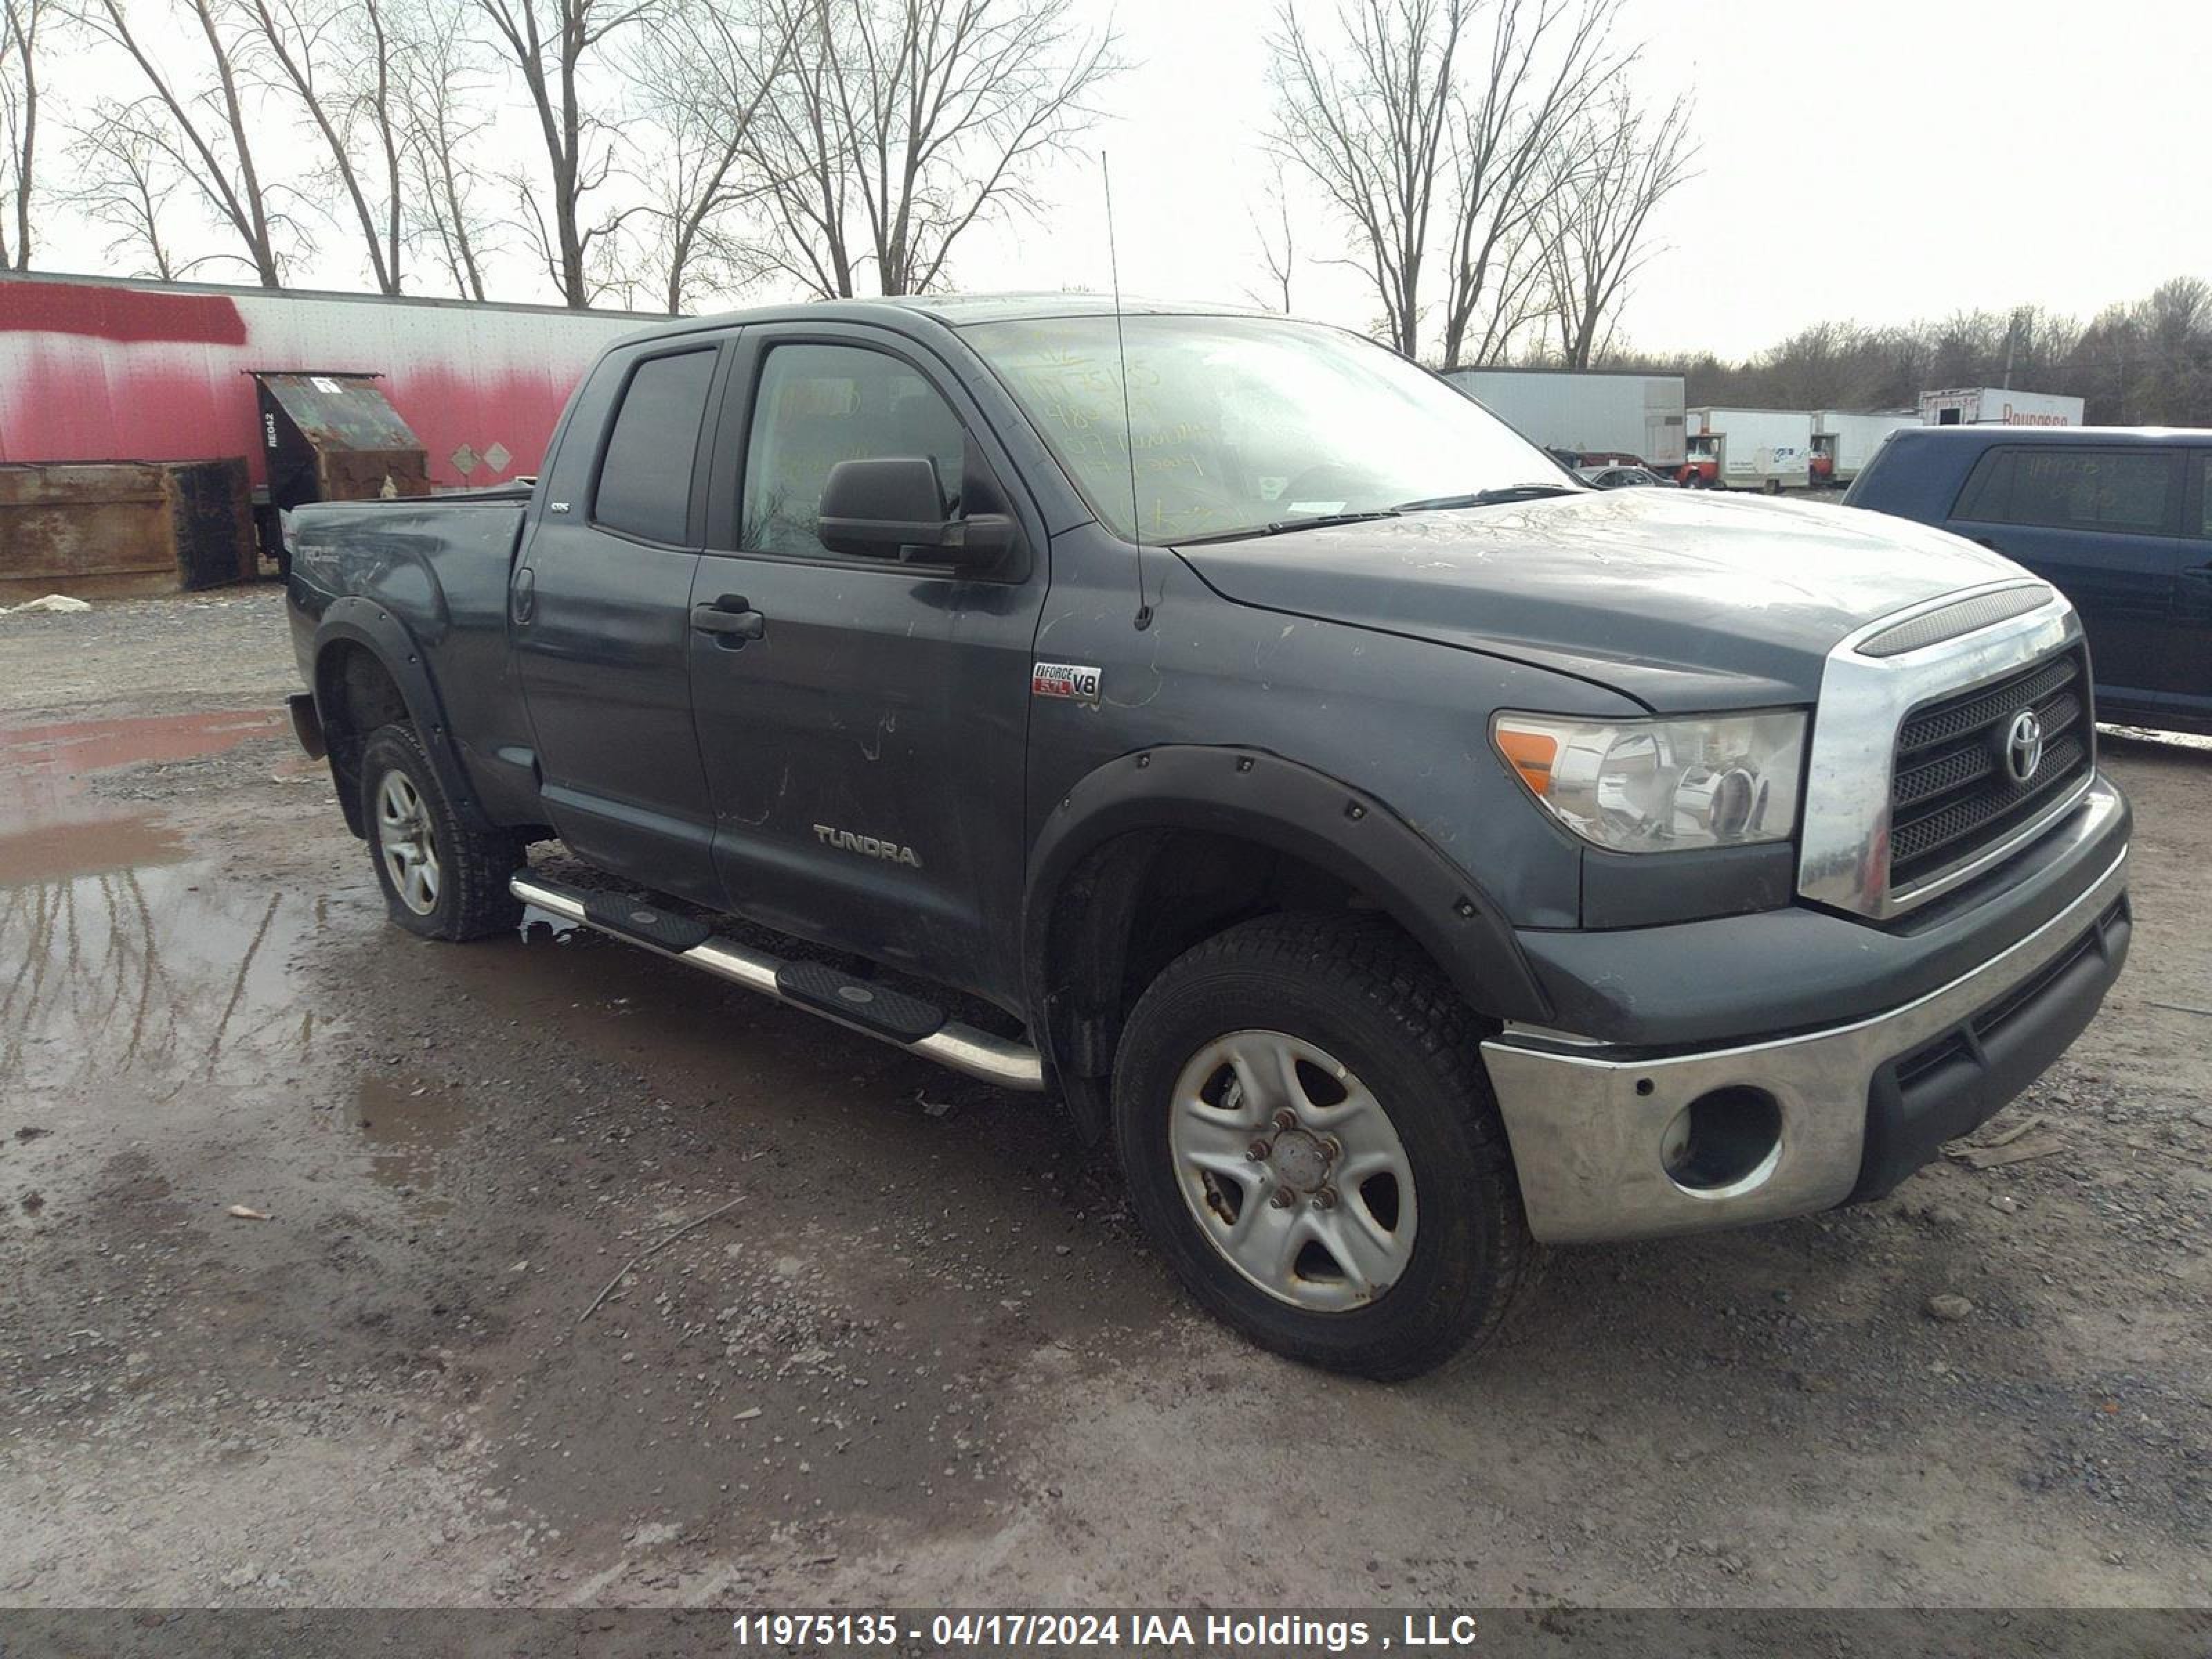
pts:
[522, 599]
[730, 618]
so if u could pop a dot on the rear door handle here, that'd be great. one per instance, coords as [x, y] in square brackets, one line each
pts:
[731, 618]
[522, 599]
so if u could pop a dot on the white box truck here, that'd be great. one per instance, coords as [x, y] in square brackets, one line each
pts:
[1594, 414]
[1769, 449]
[1990, 405]
[1844, 442]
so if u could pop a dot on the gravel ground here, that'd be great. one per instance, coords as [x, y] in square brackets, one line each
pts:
[923, 1356]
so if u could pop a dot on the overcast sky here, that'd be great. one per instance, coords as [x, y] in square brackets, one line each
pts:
[1880, 160]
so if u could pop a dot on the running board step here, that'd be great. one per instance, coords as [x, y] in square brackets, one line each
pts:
[876, 1010]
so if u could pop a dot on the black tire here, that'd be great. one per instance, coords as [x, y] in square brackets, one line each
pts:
[1356, 987]
[472, 866]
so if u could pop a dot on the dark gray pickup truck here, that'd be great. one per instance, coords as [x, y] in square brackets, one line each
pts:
[1400, 851]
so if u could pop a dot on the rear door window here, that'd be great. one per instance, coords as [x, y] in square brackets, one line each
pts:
[644, 479]
[2132, 491]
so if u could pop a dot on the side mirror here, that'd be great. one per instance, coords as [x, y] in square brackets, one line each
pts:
[877, 508]
[894, 508]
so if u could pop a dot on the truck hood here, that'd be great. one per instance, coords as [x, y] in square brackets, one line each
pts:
[1680, 601]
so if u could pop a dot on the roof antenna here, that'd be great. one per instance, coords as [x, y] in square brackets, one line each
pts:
[1128, 430]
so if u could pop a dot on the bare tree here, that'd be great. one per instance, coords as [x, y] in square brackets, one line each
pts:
[1514, 301]
[1546, 63]
[21, 21]
[337, 59]
[1278, 246]
[900, 124]
[798, 146]
[1595, 238]
[206, 133]
[1367, 110]
[556, 45]
[702, 69]
[444, 106]
[124, 182]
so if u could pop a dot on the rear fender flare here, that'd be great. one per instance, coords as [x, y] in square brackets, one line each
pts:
[372, 626]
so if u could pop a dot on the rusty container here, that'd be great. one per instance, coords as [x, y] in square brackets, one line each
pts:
[331, 436]
[110, 529]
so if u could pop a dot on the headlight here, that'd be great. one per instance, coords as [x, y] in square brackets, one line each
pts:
[1659, 785]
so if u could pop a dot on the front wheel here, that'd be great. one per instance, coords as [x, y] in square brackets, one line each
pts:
[1308, 1137]
[441, 877]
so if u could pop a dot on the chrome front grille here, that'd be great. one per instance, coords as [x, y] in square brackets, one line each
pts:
[1952, 794]
[1906, 796]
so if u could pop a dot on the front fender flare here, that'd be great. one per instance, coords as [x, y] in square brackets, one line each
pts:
[1261, 796]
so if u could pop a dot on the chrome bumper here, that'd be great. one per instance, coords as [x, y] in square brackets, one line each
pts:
[1586, 1125]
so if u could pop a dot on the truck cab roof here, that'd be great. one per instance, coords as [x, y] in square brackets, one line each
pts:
[954, 310]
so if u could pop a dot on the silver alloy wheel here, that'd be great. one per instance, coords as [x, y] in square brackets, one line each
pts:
[404, 841]
[1293, 1171]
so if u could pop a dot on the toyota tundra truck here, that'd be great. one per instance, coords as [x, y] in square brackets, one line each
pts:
[1404, 856]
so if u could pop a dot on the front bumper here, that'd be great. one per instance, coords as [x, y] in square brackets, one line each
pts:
[1862, 1104]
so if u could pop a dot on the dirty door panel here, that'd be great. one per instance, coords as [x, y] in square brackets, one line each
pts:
[601, 626]
[865, 750]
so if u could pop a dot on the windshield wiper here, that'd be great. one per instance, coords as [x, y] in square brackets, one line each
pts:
[1283, 527]
[1522, 492]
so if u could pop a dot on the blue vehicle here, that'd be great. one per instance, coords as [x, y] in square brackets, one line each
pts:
[2119, 520]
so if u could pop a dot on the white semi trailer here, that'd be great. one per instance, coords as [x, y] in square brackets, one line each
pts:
[1594, 414]
[1990, 405]
[1844, 442]
[1768, 449]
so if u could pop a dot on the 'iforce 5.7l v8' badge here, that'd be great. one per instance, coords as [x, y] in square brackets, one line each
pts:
[1065, 679]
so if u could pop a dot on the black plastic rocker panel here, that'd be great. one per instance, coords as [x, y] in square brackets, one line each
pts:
[875, 1008]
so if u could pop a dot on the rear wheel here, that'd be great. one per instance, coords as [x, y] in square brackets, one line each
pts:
[1308, 1137]
[441, 878]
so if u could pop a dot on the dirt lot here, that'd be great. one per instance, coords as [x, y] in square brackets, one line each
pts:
[925, 1358]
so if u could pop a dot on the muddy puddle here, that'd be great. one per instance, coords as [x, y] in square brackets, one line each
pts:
[164, 1003]
[404, 1128]
[161, 975]
[51, 824]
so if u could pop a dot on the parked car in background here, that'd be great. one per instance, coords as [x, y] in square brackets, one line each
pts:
[2118, 520]
[1622, 477]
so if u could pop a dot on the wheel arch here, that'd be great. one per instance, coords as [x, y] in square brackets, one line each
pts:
[369, 671]
[1098, 861]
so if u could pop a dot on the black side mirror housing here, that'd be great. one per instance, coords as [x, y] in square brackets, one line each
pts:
[876, 508]
[893, 507]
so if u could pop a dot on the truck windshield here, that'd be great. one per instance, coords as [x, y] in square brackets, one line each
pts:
[1242, 425]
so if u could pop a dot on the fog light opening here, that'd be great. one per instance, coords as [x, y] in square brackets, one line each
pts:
[1724, 1142]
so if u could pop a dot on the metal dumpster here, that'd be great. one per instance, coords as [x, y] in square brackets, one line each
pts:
[331, 436]
[93, 529]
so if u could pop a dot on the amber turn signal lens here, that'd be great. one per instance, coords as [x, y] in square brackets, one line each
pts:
[1531, 754]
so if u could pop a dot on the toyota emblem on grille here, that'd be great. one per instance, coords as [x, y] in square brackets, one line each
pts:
[2023, 745]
